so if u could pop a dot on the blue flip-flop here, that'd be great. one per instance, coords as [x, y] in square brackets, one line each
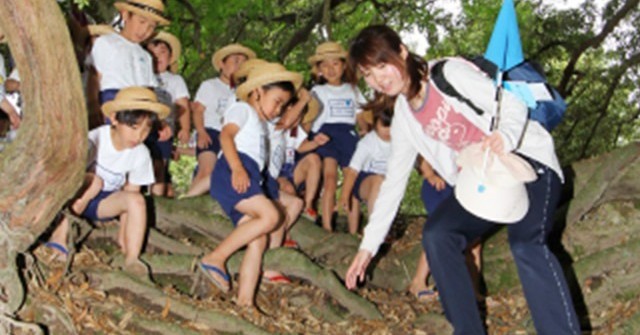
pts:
[57, 246]
[426, 295]
[205, 268]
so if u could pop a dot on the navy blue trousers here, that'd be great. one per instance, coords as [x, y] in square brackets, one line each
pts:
[451, 228]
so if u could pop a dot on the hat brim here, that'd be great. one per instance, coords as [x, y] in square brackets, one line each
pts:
[313, 60]
[110, 108]
[252, 83]
[123, 6]
[221, 54]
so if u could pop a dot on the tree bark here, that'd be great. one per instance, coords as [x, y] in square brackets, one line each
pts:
[43, 167]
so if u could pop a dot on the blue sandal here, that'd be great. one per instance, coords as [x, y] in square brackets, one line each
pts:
[205, 268]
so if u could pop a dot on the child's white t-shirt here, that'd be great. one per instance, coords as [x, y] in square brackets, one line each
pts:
[116, 167]
[340, 104]
[216, 97]
[371, 154]
[293, 143]
[171, 88]
[251, 140]
[277, 145]
[122, 63]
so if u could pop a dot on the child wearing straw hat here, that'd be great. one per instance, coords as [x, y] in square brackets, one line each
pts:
[90, 74]
[339, 109]
[119, 58]
[120, 165]
[238, 177]
[172, 90]
[212, 99]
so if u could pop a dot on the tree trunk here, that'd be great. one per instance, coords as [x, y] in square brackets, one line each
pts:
[43, 167]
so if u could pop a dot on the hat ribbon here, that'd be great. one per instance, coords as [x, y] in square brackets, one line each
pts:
[145, 8]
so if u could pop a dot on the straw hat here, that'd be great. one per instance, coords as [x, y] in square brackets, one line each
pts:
[327, 50]
[135, 97]
[174, 44]
[246, 67]
[313, 109]
[100, 29]
[230, 49]
[265, 74]
[152, 9]
[492, 187]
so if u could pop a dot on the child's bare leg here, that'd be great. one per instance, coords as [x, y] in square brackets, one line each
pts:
[260, 218]
[159, 188]
[370, 188]
[250, 271]
[60, 233]
[330, 170]
[419, 281]
[308, 170]
[202, 181]
[353, 218]
[292, 207]
[474, 263]
[93, 185]
[131, 208]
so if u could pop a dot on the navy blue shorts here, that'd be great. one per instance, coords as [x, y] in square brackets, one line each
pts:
[271, 187]
[342, 144]
[159, 149]
[215, 142]
[356, 186]
[432, 198]
[91, 212]
[222, 191]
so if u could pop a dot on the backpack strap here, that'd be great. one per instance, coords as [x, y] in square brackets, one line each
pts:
[439, 80]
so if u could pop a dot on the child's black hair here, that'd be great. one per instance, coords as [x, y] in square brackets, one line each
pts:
[158, 42]
[384, 117]
[134, 116]
[283, 85]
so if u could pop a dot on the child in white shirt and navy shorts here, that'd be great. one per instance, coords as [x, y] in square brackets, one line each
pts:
[339, 104]
[238, 177]
[119, 58]
[212, 99]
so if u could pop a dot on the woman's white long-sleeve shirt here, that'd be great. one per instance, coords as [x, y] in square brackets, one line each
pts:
[408, 140]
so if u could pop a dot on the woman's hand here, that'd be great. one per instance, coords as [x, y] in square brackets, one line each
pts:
[357, 269]
[438, 183]
[494, 142]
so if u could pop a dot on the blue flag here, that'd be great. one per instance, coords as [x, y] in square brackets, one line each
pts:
[505, 49]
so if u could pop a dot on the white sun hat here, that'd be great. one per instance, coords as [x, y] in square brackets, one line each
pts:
[492, 187]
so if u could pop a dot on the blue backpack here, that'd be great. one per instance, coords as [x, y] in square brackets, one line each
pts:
[548, 112]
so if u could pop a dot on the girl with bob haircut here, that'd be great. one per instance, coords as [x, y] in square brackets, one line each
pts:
[438, 127]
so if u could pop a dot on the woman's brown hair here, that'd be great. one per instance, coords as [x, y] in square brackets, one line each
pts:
[379, 44]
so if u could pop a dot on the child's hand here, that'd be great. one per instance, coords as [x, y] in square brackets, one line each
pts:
[184, 136]
[343, 203]
[321, 139]
[304, 95]
[203, 139]
[494, 142]
[14, 120]
[286, 186]
[438, 183]
[164, 133]
[240, 180]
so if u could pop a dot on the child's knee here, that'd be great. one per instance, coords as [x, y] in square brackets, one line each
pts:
[314, 162]
[258, 245]
[270, 218]
[135, 201]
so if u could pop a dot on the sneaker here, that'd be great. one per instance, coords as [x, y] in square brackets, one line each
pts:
[310, 214]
